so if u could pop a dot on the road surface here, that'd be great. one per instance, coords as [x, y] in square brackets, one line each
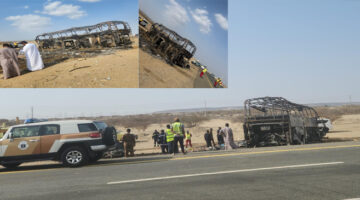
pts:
[322, 171]
[203, 82]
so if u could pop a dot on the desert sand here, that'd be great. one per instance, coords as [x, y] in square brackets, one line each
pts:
[156, 73]
[120, 69]
[346, 127]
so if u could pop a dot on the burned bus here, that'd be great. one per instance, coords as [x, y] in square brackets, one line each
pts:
[277, 121]
[169, 45]
[102, 35]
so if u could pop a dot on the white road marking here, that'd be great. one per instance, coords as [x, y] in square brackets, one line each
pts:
[353, 199]
[224, 172]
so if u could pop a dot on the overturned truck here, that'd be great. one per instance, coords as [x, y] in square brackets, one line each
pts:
[277, 121]
[106, 34]
[169, 45]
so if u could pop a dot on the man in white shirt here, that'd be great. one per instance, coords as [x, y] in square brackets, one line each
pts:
[33, 58]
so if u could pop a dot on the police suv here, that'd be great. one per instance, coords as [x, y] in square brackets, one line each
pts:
[74, 142]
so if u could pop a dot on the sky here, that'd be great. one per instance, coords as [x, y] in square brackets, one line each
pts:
[24, 19]
[204, 22]
[306, 51]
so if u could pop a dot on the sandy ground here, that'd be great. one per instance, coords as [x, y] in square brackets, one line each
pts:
[348, 126]
[118, 70]
[156, 73]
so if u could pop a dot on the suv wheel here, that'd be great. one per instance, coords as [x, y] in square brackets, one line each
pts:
[11, 165]
[74, 157]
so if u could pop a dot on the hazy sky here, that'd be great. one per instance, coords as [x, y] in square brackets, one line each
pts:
[204, 22]
[306, 51]
[24, 19]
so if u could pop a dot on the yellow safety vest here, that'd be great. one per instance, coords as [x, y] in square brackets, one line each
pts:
[169, 135]
[188, 136]
[177, 128]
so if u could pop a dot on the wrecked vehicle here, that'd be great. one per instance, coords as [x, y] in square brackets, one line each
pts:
[277, 121]
[106, 34]
[169, 45]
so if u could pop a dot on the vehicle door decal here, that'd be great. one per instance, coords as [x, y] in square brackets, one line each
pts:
[23, 145]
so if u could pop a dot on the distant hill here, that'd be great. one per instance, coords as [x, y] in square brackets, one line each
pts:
[189, 110]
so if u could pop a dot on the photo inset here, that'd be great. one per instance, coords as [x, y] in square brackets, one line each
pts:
[69, 44]
[183, 44]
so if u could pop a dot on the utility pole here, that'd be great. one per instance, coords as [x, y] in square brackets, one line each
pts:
[205, 108]
[32, 112]
[350, 100]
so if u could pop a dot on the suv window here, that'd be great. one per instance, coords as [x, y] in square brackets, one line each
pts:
[51, 129]
[87, 127]
[25, 131]
[100, 125]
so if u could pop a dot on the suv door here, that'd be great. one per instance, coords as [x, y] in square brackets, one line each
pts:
[49, 133]
[24, 141]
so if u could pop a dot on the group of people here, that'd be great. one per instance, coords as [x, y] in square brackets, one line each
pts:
[10, 63]
[225, 138]
[164, 142]
[170, 139]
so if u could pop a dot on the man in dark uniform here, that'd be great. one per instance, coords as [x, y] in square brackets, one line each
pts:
[155, 137]
[129, 143]
[162, 142]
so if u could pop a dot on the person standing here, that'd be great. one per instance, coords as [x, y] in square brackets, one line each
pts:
[129, 143]
[228, 137]
[34, 61]
[207, 139]
[188, 136]
[155, 137]
[178, 129]
[9, 62]
[203, 72]
[170, 139]
[162, 141]
[220, 138]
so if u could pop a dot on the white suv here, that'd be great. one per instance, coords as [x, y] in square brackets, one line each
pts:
[74, 142]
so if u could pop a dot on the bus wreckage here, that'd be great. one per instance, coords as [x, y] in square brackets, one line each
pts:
[277, 121]
[102, 35]
[169, 45]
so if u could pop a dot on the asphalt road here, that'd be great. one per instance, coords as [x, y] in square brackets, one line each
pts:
[322, 171]
[203, 82]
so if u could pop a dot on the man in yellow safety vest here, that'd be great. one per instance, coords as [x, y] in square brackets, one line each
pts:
[170, 139]
[178, 129]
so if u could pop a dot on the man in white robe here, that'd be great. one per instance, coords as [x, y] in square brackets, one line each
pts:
[33, 58]
[228, 137]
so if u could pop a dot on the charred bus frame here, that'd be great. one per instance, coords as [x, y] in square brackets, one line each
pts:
[277, 121]
[170, 45]
[106, 34]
